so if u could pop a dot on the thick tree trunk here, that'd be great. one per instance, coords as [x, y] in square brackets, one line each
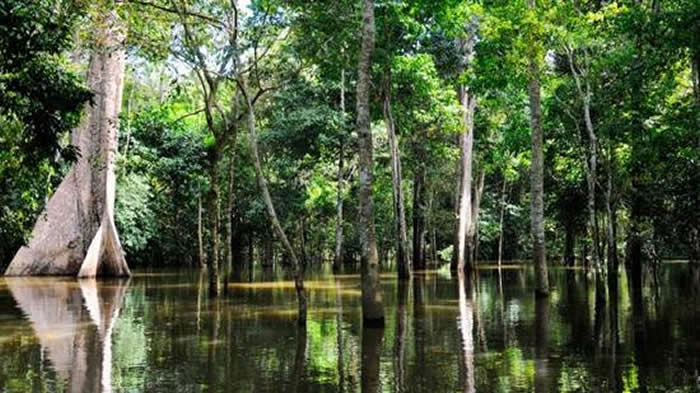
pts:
[262, 183]
[402, 261]
[76, 234]
[537, 178]
[372, 307]
[464, 242]
[419, 214]
[338, 255]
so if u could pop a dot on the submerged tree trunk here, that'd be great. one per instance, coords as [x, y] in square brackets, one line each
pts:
[372, 307]
[262, 183]
[537, 178]
[338, 256]
[402, 261]
[419, 214]
[464, 242]
[76, 234]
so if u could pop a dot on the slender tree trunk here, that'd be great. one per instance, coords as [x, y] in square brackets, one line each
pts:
[537, 177]
[200, 235]
[402, 260]
[214, 222]
[464, 242]
[372, 307]
[228, 250]
[338, 256]
[262, 183]
[612, 220]
[500, 222]
[476, 207]
[419, 214]
[76, 234]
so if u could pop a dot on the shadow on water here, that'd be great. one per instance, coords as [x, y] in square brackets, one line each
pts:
[631, 332]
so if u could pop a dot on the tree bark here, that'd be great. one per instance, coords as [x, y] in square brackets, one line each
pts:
[500, 222]
[338, 255]
[537, 177]
[611, 211]
[419, 214]
[476, 207]
[372, 308]
[76, 233]
[402, 261]
[463, 242]
[200, 235]
[214, 222]
[262, 183]
[228, 249]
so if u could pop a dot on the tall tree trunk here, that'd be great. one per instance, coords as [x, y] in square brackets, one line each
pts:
[612, 219]
[200, 234]
[262, 183]
[464, 242]
[228, 249]
[402, 260]
[214, 222]
[76, 234]
[419, 207]
[500, 222]
[537, 177]
[476, 207]
[338, 255]
[372, 307]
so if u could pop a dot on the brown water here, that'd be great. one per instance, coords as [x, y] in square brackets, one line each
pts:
[158, 332]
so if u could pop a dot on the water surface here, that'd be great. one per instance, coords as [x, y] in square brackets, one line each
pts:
[158, 332]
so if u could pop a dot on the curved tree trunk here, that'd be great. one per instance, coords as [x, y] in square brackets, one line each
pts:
[76, 234]
[262, 183]
[372, 307]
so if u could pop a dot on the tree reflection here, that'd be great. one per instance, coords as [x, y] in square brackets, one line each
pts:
[73, 321]
[466, 329]
[541, 344]
[371, 352]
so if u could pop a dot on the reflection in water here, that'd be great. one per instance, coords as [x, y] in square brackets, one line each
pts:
[56, 335]
[466, 328]
[371, 351]
[73, 321]
[541, 344]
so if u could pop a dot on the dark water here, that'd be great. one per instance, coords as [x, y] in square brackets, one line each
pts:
[158, 332]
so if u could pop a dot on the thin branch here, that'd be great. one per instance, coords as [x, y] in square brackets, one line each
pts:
[172, 11]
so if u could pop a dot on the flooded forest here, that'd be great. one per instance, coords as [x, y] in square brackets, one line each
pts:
[350, 196]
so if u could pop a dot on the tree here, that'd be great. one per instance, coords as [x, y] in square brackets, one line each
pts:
[537, 165]
[372, 308]
[76, 234]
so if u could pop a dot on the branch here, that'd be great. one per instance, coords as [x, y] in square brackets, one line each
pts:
[172, 11]
[198, 111]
